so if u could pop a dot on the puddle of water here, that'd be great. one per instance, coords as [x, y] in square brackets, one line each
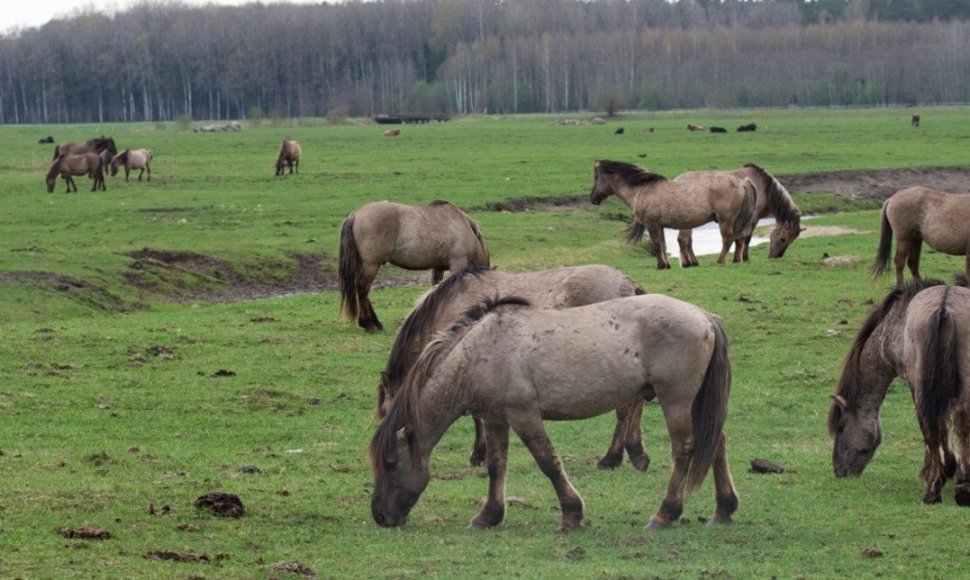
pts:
[707, 239]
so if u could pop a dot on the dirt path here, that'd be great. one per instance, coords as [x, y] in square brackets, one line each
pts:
[878, 184]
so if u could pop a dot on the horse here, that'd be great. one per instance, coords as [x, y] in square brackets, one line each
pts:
[772, 199]
[96, 145]
[438, 236]
[918, 214]
[748, 127]
[694, 127]
[557, 288]
[392, 132]
[920, 333]
[289, 156]
[67, 166]
[915, 120]
[658, 202]
[718, 130]
[133, 159]
[515, 365]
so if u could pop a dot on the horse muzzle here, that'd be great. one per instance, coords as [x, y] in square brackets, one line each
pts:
[389, 520]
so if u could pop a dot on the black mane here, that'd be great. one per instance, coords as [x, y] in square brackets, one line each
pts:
[632, 175]
[780, 204]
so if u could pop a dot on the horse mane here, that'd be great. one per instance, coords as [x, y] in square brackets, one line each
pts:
[780, 203]
[417, 327]
[632, 175]
[849, 381]
[404, 406]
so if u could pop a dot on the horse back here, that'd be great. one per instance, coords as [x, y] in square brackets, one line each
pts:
[936, 217]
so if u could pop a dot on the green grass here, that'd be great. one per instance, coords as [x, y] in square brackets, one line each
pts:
[110, 399]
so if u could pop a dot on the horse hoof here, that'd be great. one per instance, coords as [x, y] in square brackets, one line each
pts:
[962, 494]
[657, 524]
[719, 521]
[569, 525]
[640, 463]
[476, 459]
[610, 462]
[929, 498]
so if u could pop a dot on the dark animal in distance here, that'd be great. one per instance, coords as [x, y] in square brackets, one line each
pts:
[48, 139]
[288, 156]
[435, 237]
[557, 288]
[748, 127]
[922, 214]
[915, 120]
[920, 333]
[515, 366]
[718, 130]
[619, 131]
[67, 166]
[648, 130]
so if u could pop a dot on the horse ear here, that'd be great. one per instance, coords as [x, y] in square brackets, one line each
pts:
[596, 165]
[840, 401]
[403, 433]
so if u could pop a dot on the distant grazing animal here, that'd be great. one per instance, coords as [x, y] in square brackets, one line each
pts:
[915, 120]
[748, 127]
[921, 214]
[693, 127]
[67, 166]
[619, 131]
[392, 132]
[559, 288]
[773, 199]
[438, 237]
[515, 366]
[133, 159]
[48, 139]
[920, 333]
[289, 156]
[96, 145]
[718, 130]
[648, 129]
[658, 203]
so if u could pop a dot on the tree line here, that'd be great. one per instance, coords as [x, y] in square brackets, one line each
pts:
[164, 62]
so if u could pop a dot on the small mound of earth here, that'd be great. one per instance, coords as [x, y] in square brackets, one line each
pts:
[224, 505]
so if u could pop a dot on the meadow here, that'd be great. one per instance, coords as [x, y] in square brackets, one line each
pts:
[130, 385]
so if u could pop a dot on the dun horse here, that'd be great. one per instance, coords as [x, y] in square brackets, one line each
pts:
[920, 333]
[96, 145]
[772, 199]
[288, 156]
[515, 366]
[67, 166]
[659, 203]
[921, 214]
[133, 159]
[438, 237]
[558, 288]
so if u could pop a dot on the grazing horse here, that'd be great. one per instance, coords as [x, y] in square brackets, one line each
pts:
[773, 199]
[67, 166]
[557, 288]
[694, 127]
[748, 127]
[920, 333]
[289, 156]
[96, 145]
[659, 203]
[516, 366]
[915, 120]
[133, 159]
[438, 236]
[921, 214]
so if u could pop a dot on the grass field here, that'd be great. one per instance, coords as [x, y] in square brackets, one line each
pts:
[115, 397]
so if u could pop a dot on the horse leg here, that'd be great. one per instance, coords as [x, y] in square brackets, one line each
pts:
[614, 453]
[533, 434]
[127, 171]
[437, 275]
[70, 184]
[493, 510]
[632, 435]
[367, 318]
[724, 491]
[961, 426]
[478, 447]
[899, 260]
[685, 241]
[747, 244]
[658, 245]
[681, 449]
[933, 468]
[913, 260]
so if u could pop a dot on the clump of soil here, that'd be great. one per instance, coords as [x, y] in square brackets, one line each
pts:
[225, 505]
[278, 569]
[85, 533]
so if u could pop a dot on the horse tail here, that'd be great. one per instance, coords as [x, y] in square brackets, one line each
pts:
[746, 215]
[635, 231]
[350, 270]
[885, 244]
[709, 409]
[939, 378]
[481, 242]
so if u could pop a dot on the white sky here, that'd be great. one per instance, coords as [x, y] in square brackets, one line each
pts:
[34, 13]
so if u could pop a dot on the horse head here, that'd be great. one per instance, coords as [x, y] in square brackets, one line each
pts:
[401, 474]
[782, 236]
[602, 184]
[858, 434]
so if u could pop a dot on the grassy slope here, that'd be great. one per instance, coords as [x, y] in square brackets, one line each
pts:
[76, 381]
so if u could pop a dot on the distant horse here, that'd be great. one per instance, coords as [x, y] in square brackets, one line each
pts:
[659, 203]
[748, 127]
[67, 166]
[133, 159]
[915, 120]
[558, 288]
[96, 145]
[515, 366]
[289, 156]
[920, 333]
[619, 131]
[48, 139]
[773, 199]
[718, 130]
[921, 214]
[438, 237]
[694, 127]
[392, 132]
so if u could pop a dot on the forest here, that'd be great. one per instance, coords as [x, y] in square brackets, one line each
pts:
[172, 62]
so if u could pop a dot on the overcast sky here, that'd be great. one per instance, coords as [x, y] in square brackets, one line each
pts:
[27, 13]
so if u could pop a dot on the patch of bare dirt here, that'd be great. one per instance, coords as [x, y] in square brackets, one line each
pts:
[85, 533]
[876, 183]
[815, 231]
[224, 505]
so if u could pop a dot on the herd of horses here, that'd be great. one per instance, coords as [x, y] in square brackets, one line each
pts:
[94, 158]
[515, 349]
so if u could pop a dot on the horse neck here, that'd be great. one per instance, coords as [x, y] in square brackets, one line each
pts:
[440, 403]
[632, 196]
[880, 361]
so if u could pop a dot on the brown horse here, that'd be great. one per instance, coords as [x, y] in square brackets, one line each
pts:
[772, 199]
[558, 288]
[288, 156]
[515, 366]
[67, 166]
[659, 203]
[922, 214]
[133, 159]
[96, 145]
[920, 333]
[438, 237]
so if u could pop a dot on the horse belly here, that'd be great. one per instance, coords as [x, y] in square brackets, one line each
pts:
[586, 389]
